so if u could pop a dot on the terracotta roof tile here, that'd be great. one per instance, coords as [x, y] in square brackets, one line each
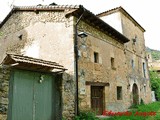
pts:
[46, 7]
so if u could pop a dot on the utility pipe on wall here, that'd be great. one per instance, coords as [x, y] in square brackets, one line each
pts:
[76, 62]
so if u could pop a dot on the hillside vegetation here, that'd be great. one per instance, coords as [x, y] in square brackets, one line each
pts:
[155, 53]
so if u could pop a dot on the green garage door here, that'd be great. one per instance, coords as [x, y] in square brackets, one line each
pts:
[32, 96]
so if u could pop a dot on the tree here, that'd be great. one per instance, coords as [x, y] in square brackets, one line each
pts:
[155, 83]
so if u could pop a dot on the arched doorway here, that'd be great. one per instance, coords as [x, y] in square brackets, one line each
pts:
[135, 94]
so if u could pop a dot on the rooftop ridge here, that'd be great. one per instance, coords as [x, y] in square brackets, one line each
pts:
[120, 8]
[116, 8]
[46, 7]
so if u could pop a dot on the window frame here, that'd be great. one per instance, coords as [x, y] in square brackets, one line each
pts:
[113, 63]
[96, 57]
[144, 69]
[119, 93]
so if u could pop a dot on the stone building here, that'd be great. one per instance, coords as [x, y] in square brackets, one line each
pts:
[43, 47]
[135, 54]
[154, 65]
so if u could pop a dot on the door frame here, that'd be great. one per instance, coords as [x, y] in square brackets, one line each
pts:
[103, 96]
[135, 94]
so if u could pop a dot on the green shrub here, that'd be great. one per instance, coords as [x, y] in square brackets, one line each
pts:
[147, 108]
[86, 115]
[155, 84]
[133, 106]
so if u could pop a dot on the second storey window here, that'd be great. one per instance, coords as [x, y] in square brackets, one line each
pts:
[112, 63]
[144, 69]
[132, 63]
[96, 57]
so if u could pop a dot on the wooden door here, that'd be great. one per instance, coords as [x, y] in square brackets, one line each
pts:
[31, 98]
[97, 99]
[135, 94]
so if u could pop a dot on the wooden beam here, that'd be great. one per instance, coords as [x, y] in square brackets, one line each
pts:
[97, 83]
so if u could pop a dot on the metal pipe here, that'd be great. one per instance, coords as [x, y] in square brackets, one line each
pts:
[76, 63]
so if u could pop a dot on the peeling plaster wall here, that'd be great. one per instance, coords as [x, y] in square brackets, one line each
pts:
[44, 35]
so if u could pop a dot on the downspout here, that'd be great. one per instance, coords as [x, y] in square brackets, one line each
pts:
[76, 63]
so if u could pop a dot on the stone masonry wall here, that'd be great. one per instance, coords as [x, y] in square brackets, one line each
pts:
[124, 75]
[4, 90]
[136, 51]
[43, 35]
[106, 47]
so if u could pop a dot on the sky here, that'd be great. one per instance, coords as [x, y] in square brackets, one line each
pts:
[145, 12]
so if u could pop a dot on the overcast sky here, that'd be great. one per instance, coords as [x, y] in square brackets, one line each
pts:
[145, 12]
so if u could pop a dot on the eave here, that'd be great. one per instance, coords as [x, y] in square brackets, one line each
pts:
[95, 21]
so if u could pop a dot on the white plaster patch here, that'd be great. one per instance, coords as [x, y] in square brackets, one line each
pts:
[32, 50]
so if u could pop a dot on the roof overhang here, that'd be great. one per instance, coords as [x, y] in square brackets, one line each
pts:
[76, 11]
[95, 21]
[29, 63]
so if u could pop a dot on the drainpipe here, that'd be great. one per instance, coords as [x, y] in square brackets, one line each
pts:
[76, 63]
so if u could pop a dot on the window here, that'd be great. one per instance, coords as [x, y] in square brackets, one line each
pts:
[119, 93]
[132, 63]
[134, 40]
[145, 89]
[112, 63]
[144, 69]
[96, 57]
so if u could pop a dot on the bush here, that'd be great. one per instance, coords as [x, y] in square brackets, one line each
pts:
[86, 115]
[155, 83]
[147, 108]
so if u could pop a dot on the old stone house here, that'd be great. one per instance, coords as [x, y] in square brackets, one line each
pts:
[152, 63]
[135, 54]
[44, 59]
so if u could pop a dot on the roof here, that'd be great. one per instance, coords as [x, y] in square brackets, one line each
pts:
[121, 9]
[75, 10]
[92, 19]
[38, 8]
[29, 63]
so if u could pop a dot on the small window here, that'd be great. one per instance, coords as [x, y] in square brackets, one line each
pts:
[132, 63]
[134, 40]
[144, 69]
[96, 57]
[119, 93]
[112, 63]
[145, 88]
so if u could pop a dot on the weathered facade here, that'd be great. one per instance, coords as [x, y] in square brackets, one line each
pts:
[111, 69]
[153, 64]
[42, 35]
[137, 76]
